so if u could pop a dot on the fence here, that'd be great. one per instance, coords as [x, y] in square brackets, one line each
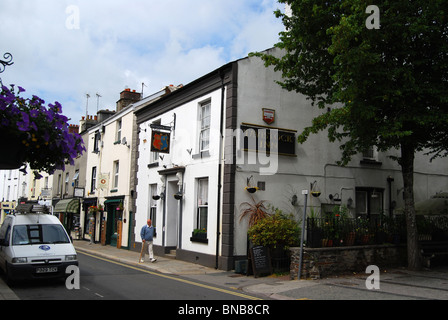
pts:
[336, 231]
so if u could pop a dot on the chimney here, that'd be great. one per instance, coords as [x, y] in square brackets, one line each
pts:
[126, 98]
[86, 124]
[73, 128]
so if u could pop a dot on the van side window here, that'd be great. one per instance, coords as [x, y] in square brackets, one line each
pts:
[4, 230]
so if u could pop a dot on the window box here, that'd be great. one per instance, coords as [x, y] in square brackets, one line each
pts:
[199, 236]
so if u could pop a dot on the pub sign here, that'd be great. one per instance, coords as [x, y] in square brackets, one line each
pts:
[268, 115]
[160, 141]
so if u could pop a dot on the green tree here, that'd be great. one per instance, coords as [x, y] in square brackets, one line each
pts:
[385, 87]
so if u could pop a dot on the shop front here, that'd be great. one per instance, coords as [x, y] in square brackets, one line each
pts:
[88, 219]
[114, 221]
[68, 212]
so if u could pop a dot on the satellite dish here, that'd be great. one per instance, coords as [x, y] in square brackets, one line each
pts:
[123, 141]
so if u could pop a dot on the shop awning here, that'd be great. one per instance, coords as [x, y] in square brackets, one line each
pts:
[111, 201]
[67, 205]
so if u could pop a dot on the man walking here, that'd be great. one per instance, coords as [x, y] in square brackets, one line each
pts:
[147, 234]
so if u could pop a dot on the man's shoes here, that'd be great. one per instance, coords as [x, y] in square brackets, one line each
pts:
[153, 260]
[141, 260]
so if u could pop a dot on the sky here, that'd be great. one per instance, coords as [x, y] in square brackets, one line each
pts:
[65, 49]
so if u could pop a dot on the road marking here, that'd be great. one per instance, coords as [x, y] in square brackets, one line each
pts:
[173, 278]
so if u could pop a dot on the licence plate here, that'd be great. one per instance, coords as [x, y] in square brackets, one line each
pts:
[47, 270]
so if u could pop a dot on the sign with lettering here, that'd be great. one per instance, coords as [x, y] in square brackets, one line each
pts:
[160, 142]
[261, 260]
[267, 139]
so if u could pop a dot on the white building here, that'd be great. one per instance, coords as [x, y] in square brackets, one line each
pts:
[109, 171]
[202, 162]
[13, 186]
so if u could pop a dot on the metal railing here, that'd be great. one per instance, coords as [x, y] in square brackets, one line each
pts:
[336, 231]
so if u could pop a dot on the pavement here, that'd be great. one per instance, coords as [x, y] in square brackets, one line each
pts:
[394, 284]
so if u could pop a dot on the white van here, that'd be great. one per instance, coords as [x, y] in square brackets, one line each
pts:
[33, 246]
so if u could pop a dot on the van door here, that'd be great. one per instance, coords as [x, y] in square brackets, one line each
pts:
[5, 233]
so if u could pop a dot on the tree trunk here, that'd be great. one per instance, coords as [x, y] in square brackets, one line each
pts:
[407, 167]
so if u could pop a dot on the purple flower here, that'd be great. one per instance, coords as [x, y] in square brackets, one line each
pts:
[49, 115]
[34, 113]
[21, 89]
[25, 123]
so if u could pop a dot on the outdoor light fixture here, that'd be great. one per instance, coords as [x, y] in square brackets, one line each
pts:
[349, 202]
[334, 197]
[294, 200]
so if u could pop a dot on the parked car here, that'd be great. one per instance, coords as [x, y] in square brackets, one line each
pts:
[34, 246]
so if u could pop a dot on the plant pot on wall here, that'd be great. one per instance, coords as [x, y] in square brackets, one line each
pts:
[350, 239]
[199, 235]
[178, 196]
[251, 189]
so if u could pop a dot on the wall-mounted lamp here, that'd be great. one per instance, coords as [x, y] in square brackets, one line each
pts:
[334, 197]
[294, 200]
[349, 202]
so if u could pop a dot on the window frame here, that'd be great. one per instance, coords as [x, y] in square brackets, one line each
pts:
[202, 206]
[204, 126]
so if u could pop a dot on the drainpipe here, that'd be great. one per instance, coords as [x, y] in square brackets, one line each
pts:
[389, 182]
[218, 214]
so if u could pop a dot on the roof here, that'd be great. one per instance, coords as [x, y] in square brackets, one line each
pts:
[34, 218]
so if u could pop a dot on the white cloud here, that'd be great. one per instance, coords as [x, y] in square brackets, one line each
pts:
[124, 43]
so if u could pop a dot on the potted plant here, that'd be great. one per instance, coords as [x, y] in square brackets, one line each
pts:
[251, 189]
[199, 235]
[255, 211]
[120, 206]
[275, 230]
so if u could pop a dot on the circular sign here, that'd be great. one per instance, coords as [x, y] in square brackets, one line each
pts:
[44, 247]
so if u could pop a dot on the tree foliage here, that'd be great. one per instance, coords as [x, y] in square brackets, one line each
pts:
[384, 87]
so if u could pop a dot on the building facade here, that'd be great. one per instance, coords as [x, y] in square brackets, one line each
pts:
[204, 147]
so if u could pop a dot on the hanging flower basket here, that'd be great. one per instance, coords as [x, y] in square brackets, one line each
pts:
[12, 153]
[251, 189]
[35, 134]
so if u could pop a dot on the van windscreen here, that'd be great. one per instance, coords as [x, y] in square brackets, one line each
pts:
[38, 234]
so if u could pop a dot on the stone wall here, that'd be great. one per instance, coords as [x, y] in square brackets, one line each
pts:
[323, 262]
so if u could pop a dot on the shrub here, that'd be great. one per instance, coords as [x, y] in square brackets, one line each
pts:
[275, 230]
